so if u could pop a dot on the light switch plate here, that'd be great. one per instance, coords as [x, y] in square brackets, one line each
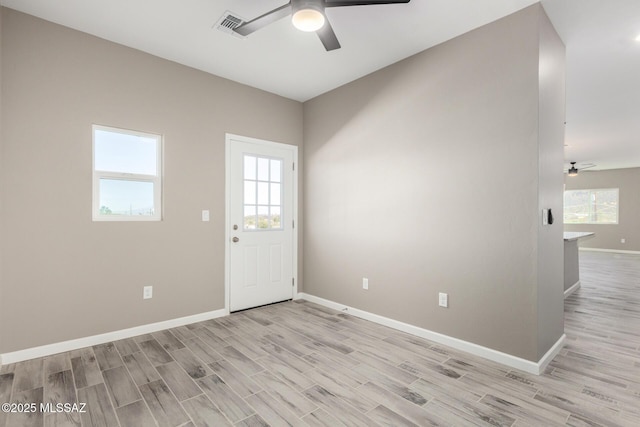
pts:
[443, 299]
[205, 216]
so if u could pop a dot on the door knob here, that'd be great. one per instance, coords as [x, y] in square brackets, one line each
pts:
[235, 240]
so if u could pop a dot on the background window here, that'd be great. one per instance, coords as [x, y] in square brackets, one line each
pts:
[126, 175]
[591, 206]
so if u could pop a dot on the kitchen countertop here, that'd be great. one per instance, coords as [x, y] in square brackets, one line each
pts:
[575, 235]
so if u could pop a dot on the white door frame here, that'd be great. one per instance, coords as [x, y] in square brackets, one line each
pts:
[229, 137]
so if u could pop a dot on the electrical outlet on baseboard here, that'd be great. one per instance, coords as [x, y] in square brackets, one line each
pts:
[147, 292]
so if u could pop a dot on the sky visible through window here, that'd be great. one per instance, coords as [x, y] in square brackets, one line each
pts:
[126, 154]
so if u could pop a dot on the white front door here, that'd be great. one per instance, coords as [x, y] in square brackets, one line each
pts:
[260, 222]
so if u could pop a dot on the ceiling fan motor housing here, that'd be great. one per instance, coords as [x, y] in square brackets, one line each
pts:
[297, 5]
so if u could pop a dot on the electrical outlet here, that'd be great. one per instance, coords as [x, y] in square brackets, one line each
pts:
[443, 299]
[205, 216]
[147, 292]
[623, 240]
[365, 283]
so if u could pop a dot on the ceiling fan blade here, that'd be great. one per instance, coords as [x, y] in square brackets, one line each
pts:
[328, 37]
[263, 20]
[587, 166]
[338, 3]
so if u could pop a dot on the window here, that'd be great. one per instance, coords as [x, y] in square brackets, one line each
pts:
[127, 183]
[262, 193]
[591, 206]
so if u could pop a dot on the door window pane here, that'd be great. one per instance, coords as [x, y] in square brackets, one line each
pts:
[276, 166]
[263, 169]
[263, 217]
[249, 192]
[250, 217]
[275, 193]
[275, 217]
[263, 193]
[249, 167]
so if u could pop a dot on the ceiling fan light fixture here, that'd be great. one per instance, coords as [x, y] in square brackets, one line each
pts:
[308, 19]
[572, 170]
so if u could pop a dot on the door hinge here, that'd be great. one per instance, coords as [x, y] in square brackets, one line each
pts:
[294, 166]
[293, 281]
[293, 224]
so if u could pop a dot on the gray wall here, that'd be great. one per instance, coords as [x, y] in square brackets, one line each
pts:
[628, 227]
[64, 276]
[1, 181]
[550, 184]
[409, 181]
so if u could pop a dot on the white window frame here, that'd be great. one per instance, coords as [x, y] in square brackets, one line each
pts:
[155, 179]
[591, 190]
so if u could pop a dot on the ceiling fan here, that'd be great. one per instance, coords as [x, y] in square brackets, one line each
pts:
[309, 16]
[573, 170]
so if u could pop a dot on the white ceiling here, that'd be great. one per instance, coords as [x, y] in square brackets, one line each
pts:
[603, 58]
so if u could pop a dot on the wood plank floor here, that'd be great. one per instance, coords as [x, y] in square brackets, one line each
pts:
[300, 364]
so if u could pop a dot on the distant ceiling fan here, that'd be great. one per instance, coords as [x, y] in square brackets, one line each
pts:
[573, 170]
[308, 15]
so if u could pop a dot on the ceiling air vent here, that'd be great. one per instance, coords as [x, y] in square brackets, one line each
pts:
[228, 22]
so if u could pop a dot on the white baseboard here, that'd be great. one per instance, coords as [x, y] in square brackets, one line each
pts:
[572, 289]
[49, 349]
[615, 251]
[535, 368]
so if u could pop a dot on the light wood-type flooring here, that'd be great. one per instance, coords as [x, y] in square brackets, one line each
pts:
[297, 363]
